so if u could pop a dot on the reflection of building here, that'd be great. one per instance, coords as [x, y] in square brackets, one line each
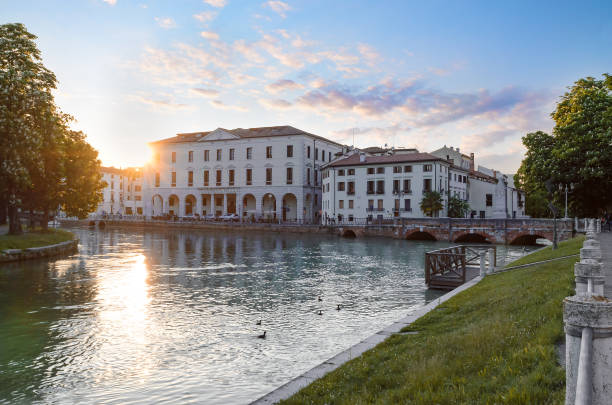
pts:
[123, 191]
[268, 172]
[378, 182]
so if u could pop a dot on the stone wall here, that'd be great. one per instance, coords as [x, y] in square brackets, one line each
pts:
[12, 255]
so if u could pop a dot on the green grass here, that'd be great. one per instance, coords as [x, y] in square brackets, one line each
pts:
[34, 239]
[491, 344]
[566, 248]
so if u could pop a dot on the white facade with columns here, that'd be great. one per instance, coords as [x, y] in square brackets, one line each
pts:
[270, 172]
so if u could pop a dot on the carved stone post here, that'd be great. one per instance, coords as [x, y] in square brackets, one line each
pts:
[483, 268]
[491, 261]
[588, 271]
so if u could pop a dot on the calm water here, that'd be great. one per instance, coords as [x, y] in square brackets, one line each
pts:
[143, 317]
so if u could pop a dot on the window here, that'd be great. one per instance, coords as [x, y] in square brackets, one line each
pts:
[173, 184]
[381, 205]
[249, 177]
[370, 204]
[218, 179]
[322, 155]
[137, 188]
[316, 177]
[427, 185]
[407, 205]
[316, 153]
[341, 204]
[290, 175]
[370, 170]
[190, 179]
[218, 154]
[249, 154]
[397, 169]
[173, 157]
[206, 178]
[268, 176]
[465, 179]
[329, 156]
[231, 156]
[351, 172]
[308, 176]
[350, 204]
[482, 214]
[489, 198]
[190, 156]
[156, 179]
[341, 186]
[380, 187]
[268, 152]
[370, 187]
[289, 150]
[350, 188]
[407, 169]
[426, 168]
[455, 176]
[308, 152]
[206, 155]
[138, 197]
[396, 186]
[341, 172]
[407, 186]
[396, 206]
[231, 177]
[380, 170]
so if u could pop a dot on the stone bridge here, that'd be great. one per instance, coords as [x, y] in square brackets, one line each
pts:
[507, 231]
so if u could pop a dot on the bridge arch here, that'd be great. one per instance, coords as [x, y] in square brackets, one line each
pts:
[348, 233]
[419, 235]
[476, 237]
[529, 239]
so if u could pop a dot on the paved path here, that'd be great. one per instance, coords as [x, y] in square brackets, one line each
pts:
[605, 240]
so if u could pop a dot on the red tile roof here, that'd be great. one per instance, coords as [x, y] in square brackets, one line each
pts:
[354, 160]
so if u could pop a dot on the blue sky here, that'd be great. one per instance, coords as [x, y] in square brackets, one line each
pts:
[475, 75]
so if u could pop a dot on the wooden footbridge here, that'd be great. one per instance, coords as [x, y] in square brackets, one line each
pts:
[448, 268]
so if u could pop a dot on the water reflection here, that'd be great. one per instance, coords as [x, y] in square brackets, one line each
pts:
[147, 317]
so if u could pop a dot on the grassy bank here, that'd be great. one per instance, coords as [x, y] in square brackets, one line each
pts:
[491, 344]
[34, 239]
[566, 248]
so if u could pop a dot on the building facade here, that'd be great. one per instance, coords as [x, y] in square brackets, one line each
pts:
[123, 192]
[363, 185]
[270, 173]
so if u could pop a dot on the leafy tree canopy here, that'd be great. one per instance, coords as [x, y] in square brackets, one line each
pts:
[457, 208]
[431, 203]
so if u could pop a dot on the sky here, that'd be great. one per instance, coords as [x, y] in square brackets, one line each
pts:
[477, 75]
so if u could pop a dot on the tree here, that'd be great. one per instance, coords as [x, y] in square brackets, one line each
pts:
[579, 151]
[457, 208]
[431, 203]
[82, 181]
[25, 92]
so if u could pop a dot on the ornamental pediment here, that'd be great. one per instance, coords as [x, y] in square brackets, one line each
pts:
[219, 134]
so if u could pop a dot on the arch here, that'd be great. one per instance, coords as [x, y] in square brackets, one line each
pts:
[158, 205]
[349, 233]
[268, 206]
[173, 205]
[472, 238]
[190, 204]
[289, 207]
[527, 239]
[419, 235]
[249, 206]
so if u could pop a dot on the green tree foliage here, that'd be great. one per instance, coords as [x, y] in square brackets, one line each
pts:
[579, 151]
[457, 208]
[431, 203]
[37, 150]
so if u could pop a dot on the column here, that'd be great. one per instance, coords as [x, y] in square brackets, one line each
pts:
[224, 204]
[300, 206]
[258, 205]
[279, 208]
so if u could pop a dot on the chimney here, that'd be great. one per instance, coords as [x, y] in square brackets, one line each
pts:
[457, 149]
[472, 161]
[362, 157]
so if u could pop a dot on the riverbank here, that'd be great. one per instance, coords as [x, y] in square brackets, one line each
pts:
[493, 343]
[36, 244]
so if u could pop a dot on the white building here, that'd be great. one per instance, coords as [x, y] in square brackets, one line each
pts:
[257, 173]
[123, 192]
[388, 184]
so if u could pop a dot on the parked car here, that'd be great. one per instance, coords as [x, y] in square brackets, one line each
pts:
[229, 217]
[210, 217]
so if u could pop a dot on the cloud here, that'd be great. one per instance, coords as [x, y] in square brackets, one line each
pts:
[278, 7]
[369, 54]
[216, 3]
[187, 66]
[209, 35]
[204, 92]
[276, 104]
[221, 105]
[111, 2]
[205, 16]
[283, 85]
[160, 104]
[166, 22]
[248, 51]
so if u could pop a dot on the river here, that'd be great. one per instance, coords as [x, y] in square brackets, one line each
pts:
[153, 316]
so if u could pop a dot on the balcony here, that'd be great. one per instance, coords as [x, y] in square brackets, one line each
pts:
[351, 192]
[372, 209]
[380, 191]
[371, 192]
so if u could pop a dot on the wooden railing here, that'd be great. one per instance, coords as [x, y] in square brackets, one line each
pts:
[452, 262]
